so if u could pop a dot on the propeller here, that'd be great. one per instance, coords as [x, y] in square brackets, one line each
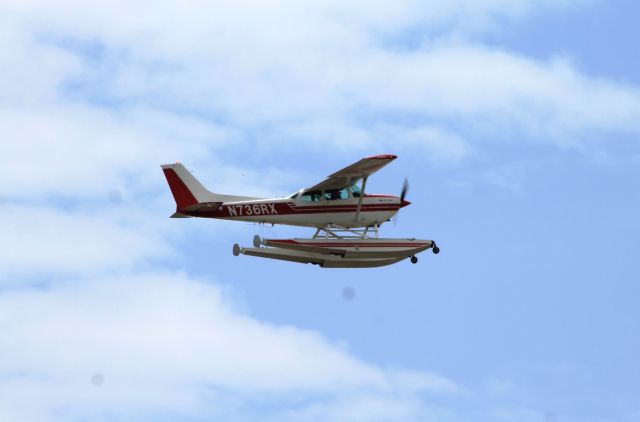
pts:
[403, 194]
[405, 189]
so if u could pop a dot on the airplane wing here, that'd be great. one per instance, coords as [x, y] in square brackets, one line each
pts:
[353, 173]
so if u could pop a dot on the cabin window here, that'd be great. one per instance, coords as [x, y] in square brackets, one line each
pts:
[312, 196]
[355, 191]
[334, 194]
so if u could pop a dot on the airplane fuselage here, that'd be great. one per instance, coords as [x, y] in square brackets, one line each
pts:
[375, 210]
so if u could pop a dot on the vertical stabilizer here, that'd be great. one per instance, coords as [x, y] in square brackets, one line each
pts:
[186, 189]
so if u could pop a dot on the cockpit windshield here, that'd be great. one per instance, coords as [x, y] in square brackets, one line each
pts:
[352, 191]
[312, 196]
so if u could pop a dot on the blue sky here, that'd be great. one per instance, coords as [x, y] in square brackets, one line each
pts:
[516, 122]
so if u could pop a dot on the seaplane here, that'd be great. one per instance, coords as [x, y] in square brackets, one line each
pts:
[346, 218]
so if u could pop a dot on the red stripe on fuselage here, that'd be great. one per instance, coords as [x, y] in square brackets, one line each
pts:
[286, 208]
[345, 207]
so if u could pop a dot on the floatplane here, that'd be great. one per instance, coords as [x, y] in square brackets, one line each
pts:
[347, 220]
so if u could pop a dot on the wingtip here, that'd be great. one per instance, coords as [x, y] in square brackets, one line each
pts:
[382, 157]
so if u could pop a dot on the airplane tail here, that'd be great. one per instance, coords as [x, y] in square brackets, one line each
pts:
[187, 191]
[190, 195]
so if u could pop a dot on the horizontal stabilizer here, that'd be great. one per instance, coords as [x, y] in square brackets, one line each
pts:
[196, 207]
[179, 215]
[203, 206]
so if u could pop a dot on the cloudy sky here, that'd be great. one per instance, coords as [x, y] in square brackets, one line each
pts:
[517, 123]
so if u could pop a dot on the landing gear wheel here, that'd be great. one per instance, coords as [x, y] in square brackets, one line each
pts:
[436, 250]
[414, 259]
[236, 249]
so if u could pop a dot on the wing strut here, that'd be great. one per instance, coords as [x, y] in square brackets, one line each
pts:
[364, 185]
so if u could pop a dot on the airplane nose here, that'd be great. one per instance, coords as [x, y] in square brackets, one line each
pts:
[404, 203]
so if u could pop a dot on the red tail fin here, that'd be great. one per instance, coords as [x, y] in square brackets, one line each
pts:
[180, 191]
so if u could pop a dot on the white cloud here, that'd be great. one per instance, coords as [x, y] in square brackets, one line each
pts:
[162, 341]
[68, 150]
[45, 241]
[318, 73]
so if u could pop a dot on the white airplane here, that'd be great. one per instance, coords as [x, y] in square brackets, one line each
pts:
[346, 219]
